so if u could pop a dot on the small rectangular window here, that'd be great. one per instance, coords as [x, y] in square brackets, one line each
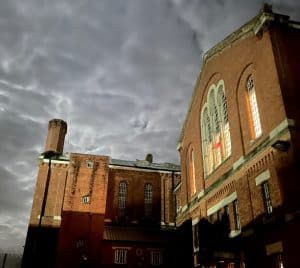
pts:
[120, 256]
[156, 257]
[267, 198]
[80, 243]
[236, 215]
[86, 199]
[89, 164]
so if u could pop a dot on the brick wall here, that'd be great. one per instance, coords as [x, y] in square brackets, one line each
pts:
[251, 55]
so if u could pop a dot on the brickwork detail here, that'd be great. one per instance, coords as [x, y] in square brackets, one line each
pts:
[221, 193]
[261, 164]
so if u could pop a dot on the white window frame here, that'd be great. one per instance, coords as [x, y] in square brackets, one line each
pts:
[267, 197]
[156, 257]
[148, 199]
[215, 131]
[86, 199]
[120, 255]
[122, 197]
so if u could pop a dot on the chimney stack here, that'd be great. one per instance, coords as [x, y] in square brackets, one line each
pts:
[149, 158]
[57, 130]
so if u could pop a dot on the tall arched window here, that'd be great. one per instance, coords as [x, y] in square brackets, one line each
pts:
[148, 199]
[215, 134]
[224, 123]
[207, 148]
[191, 166]
[256, 130]
[215, 119]
[122, 198]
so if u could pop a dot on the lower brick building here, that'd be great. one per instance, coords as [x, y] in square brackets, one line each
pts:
[95, 211]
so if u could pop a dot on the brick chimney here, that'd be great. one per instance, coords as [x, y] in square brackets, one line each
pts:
[149, 158]
[57, 130]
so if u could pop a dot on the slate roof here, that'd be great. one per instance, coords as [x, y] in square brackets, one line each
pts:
[146, 164]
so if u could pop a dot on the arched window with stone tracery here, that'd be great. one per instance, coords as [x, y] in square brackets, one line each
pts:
[215, 132]
[207, 142]
[224, 122]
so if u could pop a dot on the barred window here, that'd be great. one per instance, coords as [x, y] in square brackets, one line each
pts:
[122, 197]
[156, 257]
[86, 199]
[148, 199]
[267, 198]
[120, 256]
[253, 107]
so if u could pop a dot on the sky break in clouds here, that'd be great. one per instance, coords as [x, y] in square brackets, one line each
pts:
[121, 73]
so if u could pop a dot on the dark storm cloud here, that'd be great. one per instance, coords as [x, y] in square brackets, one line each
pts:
[121, 73]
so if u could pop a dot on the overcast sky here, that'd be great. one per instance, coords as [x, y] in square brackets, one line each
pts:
[120, 72]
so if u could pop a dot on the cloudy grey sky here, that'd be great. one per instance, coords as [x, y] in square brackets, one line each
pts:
[120, 72]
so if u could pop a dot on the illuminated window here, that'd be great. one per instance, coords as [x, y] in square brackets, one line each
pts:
[207, 147]
[122, 197]
[191, 165]
[215, 133]
[156, 257]
[224, 130]
[120, 256]
[253, 107]
[148, 199]
[267, 197]
[215, 119]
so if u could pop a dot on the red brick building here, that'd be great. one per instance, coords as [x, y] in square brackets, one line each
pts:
[236, 202]
[94, 211]
[240, 146]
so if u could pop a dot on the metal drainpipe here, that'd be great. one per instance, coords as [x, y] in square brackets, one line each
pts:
[175, 199]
